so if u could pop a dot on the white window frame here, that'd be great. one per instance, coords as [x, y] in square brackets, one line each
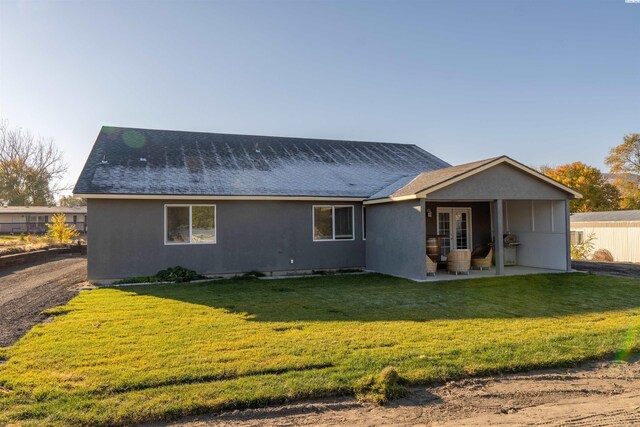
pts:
[578, 233]
[450, 210]
[190, 206]
[333, 223]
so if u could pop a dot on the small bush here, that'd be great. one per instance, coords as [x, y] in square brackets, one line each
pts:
[583, 250]
[254, 273]
[602, 255]
[380, 389]
[175, 274]
[59, 230]
[178, 274]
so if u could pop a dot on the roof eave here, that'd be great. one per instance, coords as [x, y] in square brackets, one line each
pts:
[215, 197]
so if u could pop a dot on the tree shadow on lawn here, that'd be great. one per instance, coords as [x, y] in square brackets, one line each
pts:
[376, 297]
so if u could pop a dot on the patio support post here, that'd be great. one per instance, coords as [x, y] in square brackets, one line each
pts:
[498, 244]
[567, 214]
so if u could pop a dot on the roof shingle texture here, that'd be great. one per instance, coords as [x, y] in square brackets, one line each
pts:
[608, 216]
[426, 180]
[160, 162]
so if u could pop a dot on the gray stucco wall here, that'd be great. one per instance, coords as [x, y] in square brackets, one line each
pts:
[396, 239]
[500, 182]
[540, 226]
[126, 239]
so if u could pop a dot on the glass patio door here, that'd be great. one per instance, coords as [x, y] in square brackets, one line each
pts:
[454, 227]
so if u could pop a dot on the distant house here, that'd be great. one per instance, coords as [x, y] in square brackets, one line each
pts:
[33, 219]
[226, 204]
[616, 231]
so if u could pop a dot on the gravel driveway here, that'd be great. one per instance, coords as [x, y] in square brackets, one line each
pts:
[25, 291]
[623, 269]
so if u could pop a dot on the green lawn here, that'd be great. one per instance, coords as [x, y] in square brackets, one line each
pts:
[129, 355]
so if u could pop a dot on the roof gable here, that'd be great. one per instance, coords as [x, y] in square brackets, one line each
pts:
[430, 182]
[128, 161]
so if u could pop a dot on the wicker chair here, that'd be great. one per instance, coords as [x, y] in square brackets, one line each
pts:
[480, 261]
[459, 261]
[431, 266]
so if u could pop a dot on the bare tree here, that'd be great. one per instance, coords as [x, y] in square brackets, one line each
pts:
[31, 169]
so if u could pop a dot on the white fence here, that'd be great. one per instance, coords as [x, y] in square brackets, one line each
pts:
[622, 239]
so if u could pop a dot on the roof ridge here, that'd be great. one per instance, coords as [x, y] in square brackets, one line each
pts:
[302, 138]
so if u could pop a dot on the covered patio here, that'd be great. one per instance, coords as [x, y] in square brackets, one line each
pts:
[468, 207]
[516, 270]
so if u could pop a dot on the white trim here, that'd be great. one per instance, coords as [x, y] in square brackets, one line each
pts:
[505, 214]
[333, 223]
[191, 242]
[533, 215]
[213, 198]
[390, 199]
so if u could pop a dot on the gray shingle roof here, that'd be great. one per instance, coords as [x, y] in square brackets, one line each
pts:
[608, 216]
[160, 162]
[426, 180]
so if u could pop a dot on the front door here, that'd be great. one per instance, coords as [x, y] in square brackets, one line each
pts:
[454, 228]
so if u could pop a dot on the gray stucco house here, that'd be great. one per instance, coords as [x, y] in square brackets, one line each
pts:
[224, 204]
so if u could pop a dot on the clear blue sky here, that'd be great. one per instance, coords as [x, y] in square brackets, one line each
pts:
[546, 82]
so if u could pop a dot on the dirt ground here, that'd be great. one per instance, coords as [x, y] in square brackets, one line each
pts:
[604, 394]
[610, 268]
[27, 290]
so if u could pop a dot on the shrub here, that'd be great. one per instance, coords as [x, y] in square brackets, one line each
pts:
[380, 389]
[254, 273]
[60, 230]
[178, 274]
[602, 255]
[584, 249]
[175, 274]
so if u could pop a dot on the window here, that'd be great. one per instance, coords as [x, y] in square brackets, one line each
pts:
[75, 219]
[194, 224]
[332, 223]
[42, 219]
[364, 223]
[577, 237]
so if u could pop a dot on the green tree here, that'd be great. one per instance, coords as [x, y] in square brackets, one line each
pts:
[597, 193]
[30, 168]
[60, 230]
[71, 201]
[624, 161]
[625, 158]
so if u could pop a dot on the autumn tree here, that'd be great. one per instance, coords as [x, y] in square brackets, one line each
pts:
[71, 201]
[624, 161]
[59, 230]
[30, 168]
[597, 193]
